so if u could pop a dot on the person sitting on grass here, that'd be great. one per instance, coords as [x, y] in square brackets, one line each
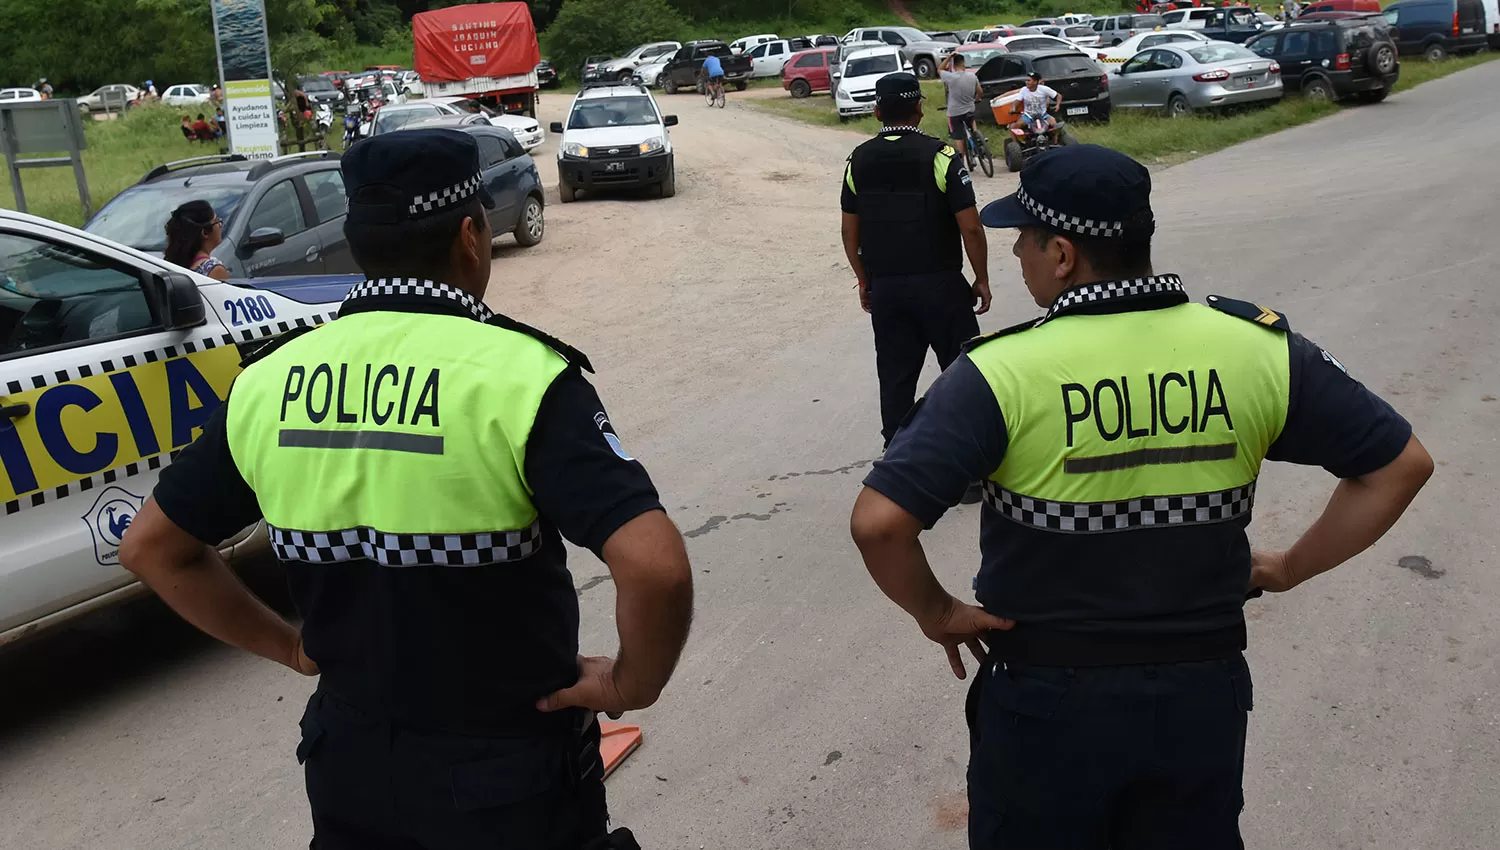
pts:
[193, 232]
[201, 131]
[187, 128]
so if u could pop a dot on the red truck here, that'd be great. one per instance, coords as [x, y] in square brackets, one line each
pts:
[486, 51]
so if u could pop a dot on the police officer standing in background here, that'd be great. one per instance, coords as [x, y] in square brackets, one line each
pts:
[418, 462]
[909, 217]
[1119, 438]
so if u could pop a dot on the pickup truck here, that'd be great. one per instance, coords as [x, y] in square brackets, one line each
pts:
[1232, 23]
[681, 71]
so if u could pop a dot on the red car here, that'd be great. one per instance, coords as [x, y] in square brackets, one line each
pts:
[809, 71]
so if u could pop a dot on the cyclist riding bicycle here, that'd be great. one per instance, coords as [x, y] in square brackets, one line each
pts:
[1037, 102]
[963, 93]
[713, 71]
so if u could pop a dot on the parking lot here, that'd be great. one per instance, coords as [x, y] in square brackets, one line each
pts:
[808, 712]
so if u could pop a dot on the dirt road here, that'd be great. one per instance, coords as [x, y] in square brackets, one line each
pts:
[808, 712]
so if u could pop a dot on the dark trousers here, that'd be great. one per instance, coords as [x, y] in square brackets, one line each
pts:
[911, 314]
[1147, 757]
[375, 785]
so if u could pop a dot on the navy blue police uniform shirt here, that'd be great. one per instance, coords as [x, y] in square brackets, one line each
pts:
[960, 192]
[956, 435]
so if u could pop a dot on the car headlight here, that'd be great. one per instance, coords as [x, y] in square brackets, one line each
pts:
[653, 145]
[575, 149]
[843, 95]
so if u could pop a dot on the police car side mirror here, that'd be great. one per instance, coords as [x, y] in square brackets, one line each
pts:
[669, 121]
[557, 127]
[262, 237]
[177, 298]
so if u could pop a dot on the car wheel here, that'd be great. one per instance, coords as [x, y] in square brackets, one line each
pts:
[669, 185]
[1381, 59]
[801, 89]
[533, 225]
[1375, 96]
[1178, 106]
[625, 76]
[1435, 53]
[669, 86]
[1014, 157]
[566, 193]
[1115, 43]
[925, 69]
[741, 85]
[1317, 89]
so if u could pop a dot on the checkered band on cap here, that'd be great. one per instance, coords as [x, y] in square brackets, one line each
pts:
[474, 549]
[1070, 223]
[416, 287]
[1111, 289]
[433, 201]
[1098, 517]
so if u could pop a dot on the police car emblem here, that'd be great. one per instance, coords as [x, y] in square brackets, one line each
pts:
[608, 431]
[108, 519]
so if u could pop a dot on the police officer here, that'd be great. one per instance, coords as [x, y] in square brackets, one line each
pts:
[418, 462]
[1119, 437]
[908, 206]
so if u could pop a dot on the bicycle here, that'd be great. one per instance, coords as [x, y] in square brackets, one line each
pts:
[714, 91]
[978, 149]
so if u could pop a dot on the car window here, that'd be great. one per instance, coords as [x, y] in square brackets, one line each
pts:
[1166, 60]
[612, 112]
[878, 64]
[1147, 21]
[1219, 51]
[138, 216]
[1139, 63]
[491, 151]
[1012, 67]
[1171, 38]
[388, 120]
[279, 208]
[55, 295]
[1152, 41]
[758, 52]
[1296, 43]
[1031, 44]
[327, 190]
[892, 38]
[513, 148]
[1173, 17]
[813, 60]
[1390, 15]
[1056, 67]
[1359, 38]
[1078, 32]
[1265, 46]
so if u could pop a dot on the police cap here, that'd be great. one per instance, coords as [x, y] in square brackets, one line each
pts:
[1083, 190]
[898, 87]
[412, 174]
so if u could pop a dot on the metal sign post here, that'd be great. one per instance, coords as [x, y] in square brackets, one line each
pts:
[46, 126]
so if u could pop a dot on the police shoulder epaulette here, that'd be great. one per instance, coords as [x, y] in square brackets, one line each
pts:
[947, 150]
[1250, 312]
[1013, 329]
[568, 352]
[267, 348]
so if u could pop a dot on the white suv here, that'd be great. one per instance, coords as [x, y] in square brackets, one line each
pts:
[615, 138]
[860, 72]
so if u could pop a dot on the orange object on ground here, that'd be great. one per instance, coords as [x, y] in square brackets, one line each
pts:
[616, 741]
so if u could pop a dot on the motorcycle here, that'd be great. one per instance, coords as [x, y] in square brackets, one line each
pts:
[324, 117]
[351, 127]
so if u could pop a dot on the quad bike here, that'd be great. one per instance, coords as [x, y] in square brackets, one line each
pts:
[1026, 142]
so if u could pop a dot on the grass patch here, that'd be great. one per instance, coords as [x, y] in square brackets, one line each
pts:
[1150, 137]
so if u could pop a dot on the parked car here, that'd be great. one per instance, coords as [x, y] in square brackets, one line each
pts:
[151, 349]
[546, 74]
[110, 96]
[1115, 29]
[15, 94]
[393, 117]
[591, 65]
[508, 172]
[1334, 59]
[740, 45]
[921, 52]
[615, 137]
[650, 74]
[809, 71]
[1127, 49]
[681, 71]
[946, 35]
[1437, 29]
[281, 216]
[1084, 86]
[769, 57]
[991, 34]
[862, 69]
[1083, 36]
[823, 40]
[186, 94]
[1040, 22]
[1192, 18]
[1365, 7]
[321, 92]
[624, 67]
[976, 55]
[845, 50]
[526, 130]
[1236, 24]
[1033, 43]
[1076, 19]
[1183, 78]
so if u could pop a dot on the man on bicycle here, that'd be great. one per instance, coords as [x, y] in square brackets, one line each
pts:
[963, 93]
[713, 71]
[1037, 102]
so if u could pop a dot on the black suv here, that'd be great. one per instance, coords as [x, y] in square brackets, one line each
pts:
[1083, 85]
[281, 216]
[1334, 59]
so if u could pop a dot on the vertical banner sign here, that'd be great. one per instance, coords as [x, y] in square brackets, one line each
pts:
[245, 68]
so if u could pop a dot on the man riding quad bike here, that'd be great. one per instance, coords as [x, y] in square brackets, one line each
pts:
[1028, 114]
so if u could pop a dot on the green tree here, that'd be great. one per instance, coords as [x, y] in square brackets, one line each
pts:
[584, 27]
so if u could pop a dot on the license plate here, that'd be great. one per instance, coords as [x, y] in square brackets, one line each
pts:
[614, 166]
[1077, 110]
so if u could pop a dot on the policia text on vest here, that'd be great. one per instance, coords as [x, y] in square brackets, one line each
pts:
[374, 395]
[1110, 401]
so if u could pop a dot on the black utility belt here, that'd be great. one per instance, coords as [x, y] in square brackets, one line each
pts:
[1047, 647]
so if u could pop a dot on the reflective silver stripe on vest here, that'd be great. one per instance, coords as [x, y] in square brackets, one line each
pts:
[473, 549]
[1145, 512]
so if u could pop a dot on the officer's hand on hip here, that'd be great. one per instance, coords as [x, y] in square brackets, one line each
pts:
[1270, 571]
[960, 623]
[596, 690]
[300, 662]
[981, 291]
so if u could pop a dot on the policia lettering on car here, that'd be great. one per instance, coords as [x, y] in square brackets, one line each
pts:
[1078, 403]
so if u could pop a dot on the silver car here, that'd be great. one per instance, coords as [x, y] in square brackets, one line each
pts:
[1182, 78]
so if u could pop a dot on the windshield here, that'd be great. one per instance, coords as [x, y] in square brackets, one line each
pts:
[1053, 67]
[911, 34]
[388, 119]
[976, 58]
[138, 217]
[1078, 32]
[864, 65]
[316, 84]
[1143, 21]
[1208, 54]
[612, 112]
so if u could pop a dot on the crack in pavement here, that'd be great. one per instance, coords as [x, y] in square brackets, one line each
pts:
[840, 470]
[714, 522]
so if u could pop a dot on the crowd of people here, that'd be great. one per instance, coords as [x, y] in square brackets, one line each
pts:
[204, 128]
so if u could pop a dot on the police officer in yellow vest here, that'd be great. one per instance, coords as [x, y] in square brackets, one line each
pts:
[1119, 438]
[419, 461]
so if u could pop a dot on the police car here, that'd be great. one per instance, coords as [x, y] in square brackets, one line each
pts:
[111, 360]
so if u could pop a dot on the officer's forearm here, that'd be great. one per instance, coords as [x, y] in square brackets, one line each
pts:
[1359, 513]
[653, 603]
[975, 244]
[850, 230]
[888, 539]
[196, 583]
